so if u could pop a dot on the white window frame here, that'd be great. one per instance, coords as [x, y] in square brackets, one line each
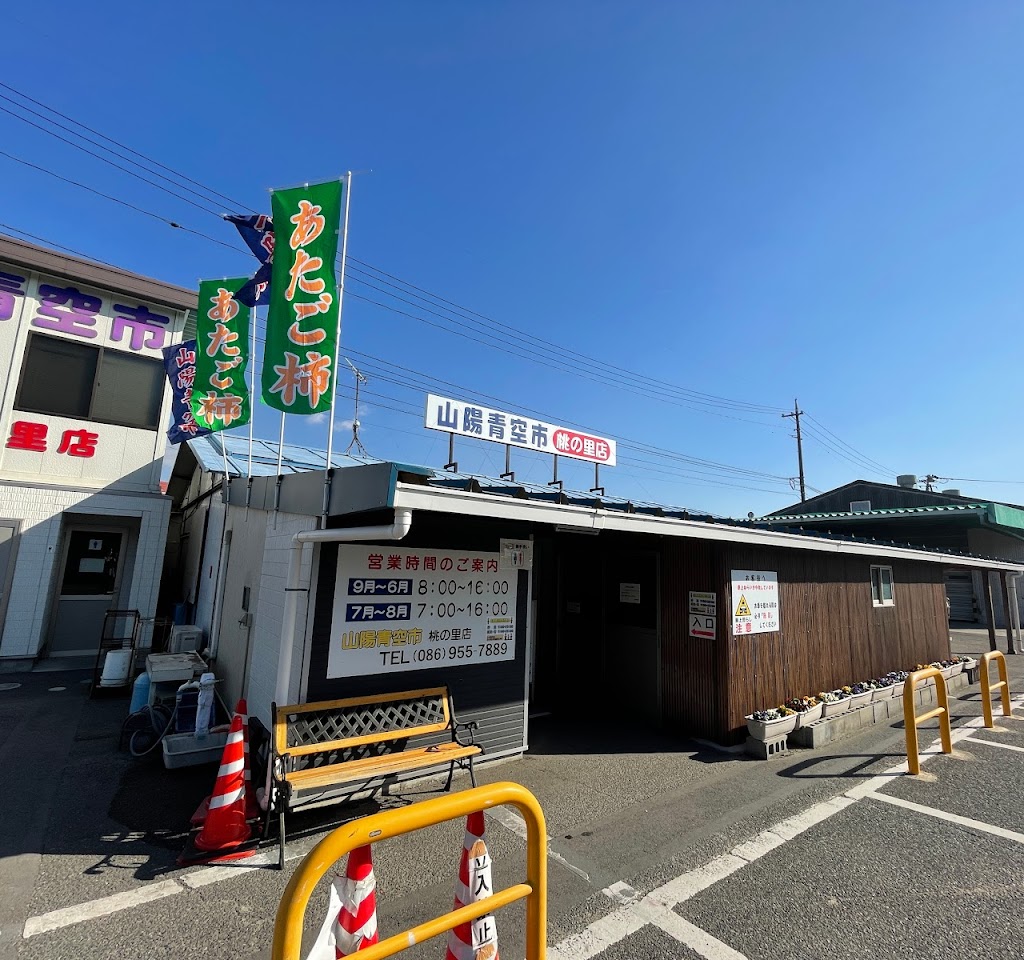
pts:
[860, 506]
[878, 598]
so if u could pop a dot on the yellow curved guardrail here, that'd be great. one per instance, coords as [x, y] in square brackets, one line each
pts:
[911, 719]
[393, 823]
[987, 688]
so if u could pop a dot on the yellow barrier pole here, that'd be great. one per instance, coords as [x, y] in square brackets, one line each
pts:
[911, 720]
[986, 688]
[393, 823]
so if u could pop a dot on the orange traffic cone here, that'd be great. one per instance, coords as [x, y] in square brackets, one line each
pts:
[477, 940]
[351, 923]
[225, 831]
[252, 808]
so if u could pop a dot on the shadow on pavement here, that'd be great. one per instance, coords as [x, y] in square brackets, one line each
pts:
[857, 771]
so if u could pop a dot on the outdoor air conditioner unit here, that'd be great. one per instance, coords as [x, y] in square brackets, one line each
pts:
[906, 480]
[185, 639]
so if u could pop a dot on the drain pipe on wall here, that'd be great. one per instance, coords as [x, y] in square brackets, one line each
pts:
[1014, 605]
[393, 531]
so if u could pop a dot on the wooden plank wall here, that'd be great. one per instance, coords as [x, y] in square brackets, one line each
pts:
[831, 633]
[693, 694]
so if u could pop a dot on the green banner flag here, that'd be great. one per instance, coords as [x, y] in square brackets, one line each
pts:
[302, 323]
[220, 398]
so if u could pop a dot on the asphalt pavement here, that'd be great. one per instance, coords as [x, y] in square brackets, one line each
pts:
[659, 847]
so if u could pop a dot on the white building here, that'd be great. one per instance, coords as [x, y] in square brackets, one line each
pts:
[84, 409]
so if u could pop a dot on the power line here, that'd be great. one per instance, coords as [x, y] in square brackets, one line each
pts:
[695, 397]
[118, 200]
[487, 323]
[602, 374]
[880, 466]
[107, 160]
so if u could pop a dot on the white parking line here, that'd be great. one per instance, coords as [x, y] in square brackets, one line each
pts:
[995, 743]
[511, 820]
[621, 922]
[978, 825]
[55, 919]
[699, 941]
[657, 907]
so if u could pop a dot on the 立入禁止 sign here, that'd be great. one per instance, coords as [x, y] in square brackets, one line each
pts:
[498, 426]
[398, 609]
[755, 601]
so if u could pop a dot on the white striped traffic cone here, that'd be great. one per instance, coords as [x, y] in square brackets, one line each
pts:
[225, 826]
[477, 940]
[252, 807]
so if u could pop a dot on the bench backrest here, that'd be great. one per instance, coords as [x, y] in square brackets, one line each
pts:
[360, 725]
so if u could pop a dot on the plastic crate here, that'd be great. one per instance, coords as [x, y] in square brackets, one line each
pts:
[184, 750]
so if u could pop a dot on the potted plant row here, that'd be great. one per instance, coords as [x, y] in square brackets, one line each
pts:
[801, 711]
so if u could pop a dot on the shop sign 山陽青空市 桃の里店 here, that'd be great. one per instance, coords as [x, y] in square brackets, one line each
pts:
[400, 609]
[483, 423]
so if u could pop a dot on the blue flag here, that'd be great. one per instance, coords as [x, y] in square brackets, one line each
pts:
[257, 230]
[180, 364]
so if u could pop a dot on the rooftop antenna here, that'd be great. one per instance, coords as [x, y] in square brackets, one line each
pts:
[355, 441]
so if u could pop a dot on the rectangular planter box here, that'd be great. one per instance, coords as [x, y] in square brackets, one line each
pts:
[184, 750]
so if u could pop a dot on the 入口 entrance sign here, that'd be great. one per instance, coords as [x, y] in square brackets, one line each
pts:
[397, 610]
[483, 423]
[702, 626]
[703, 609]
[755, 601]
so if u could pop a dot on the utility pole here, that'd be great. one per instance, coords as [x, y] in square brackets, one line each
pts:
[796, 414]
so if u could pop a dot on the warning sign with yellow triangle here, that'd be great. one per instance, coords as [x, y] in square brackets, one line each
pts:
[743, 608]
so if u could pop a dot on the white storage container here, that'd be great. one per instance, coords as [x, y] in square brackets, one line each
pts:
[185, 750]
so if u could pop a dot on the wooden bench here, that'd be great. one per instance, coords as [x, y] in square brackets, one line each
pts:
[316, 747]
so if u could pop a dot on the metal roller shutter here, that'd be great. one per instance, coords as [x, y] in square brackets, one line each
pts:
[960, 592]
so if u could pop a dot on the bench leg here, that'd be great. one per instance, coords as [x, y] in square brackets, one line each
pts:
[451, 773]
[472, 774]
[280, 839]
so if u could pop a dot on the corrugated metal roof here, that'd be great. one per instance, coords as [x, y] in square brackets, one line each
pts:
[859, 514]
[294, 459]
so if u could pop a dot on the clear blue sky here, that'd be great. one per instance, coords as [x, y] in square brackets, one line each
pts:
[755, 201]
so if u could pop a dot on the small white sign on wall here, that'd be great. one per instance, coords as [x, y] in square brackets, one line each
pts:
[702, 602]
[702, 626]
[629, 593]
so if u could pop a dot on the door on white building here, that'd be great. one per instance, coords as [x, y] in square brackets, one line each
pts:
[9, 530]
[89, 586]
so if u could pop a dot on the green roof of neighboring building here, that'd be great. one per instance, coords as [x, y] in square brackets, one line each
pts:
[1000, 514]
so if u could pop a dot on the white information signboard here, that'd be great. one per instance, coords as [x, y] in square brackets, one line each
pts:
[483, 423]
[516, 554]
[397, 609]
[702, 602]
[629, 593]
[755, 601]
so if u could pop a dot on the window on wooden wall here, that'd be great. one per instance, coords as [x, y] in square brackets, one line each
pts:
[881, 586]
